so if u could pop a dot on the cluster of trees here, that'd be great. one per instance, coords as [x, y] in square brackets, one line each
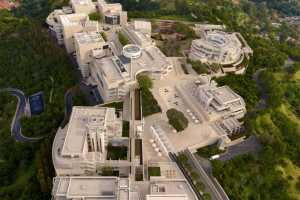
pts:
[184, 29]
[30, 61]
[177, 119]
[96, 16]
[209, 151]
[285, 7]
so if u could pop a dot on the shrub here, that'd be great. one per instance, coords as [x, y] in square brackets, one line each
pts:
[96, 16]
[177, 119]
[123, 39]
[198, 66]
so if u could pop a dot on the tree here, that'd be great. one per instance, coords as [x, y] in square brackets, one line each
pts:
[96, 16]
[177, 119]
[145, 82]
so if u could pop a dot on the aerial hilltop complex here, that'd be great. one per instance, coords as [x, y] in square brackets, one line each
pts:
[134, 151]
[215, 46]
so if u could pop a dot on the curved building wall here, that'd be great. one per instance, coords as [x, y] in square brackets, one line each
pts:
[217, 47]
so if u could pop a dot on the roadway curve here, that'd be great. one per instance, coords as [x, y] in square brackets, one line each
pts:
[16, 122]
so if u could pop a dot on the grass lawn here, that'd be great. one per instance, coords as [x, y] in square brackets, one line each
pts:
[153, 171]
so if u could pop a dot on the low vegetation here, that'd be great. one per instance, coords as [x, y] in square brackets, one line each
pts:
[198, 66]
[125, 129]
[184, 29]
[149, 104]
[96, 16]
[153, 171]
[116, 152]
[118, 105]
[104, 36]
[208, 151]
[177, 119]
[123, 39]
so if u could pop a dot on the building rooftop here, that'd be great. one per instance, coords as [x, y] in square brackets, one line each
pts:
[84, 119]
[73, 19]
[225, 94]
[170, 190]
[91, 187]
[111, 71]
[117, 68]
[88, 37]
[82, 2]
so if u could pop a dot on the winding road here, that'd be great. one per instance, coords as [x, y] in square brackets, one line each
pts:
[16, 122]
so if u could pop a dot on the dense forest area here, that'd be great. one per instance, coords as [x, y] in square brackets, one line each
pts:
[29, 60]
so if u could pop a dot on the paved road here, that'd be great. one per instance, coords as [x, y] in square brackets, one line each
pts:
[251, 144]
[68, 107]
[16, 122]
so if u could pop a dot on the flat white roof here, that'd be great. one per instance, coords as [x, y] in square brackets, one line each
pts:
[73, 19]
[92, 187]
[151, 59]
[177, 189]
[167, 197]
[82, 2]
[225, 94]
[88, 37]
[81, 118]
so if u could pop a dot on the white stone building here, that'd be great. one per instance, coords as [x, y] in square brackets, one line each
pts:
[115, 188]
[112, 12]
[89, 46]
[75, 23]
[88, 188]
[136, 36]
[218, 47]
[220, 101]
[115, 75]
[80, 147]
[83, 6]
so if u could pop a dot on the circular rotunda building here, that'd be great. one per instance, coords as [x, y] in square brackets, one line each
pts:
[132, 51]
[219, 47]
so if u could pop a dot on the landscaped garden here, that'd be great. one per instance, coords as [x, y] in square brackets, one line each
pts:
[153, 171]
[116, 152]
[149, 104]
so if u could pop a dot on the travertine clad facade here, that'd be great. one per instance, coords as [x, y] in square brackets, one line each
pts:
[215, 46]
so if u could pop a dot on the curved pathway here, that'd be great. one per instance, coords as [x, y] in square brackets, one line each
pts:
[68, 106]
[16, 122]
